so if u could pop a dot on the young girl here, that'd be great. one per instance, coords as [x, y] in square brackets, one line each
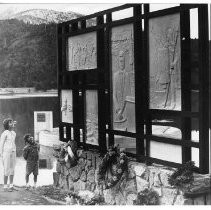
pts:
[8, 152]
[31, 155]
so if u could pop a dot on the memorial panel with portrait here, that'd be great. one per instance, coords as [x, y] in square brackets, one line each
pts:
[122, 56]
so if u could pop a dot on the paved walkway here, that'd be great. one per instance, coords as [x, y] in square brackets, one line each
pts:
[21, 196]
[45, 176]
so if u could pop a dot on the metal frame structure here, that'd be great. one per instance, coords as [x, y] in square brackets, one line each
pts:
[99, 79]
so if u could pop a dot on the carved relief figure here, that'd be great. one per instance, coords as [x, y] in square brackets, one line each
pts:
[82, 52]
[123, 77]
[66, 109]
[172, 39]
[121, 89]
[166, 77]
[165, 63]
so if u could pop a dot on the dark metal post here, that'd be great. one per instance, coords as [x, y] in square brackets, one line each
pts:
[204, 88]
[185, 80]
[109, 77]
[147, 117]
[139, 87]
[59, 74]
[101, 86]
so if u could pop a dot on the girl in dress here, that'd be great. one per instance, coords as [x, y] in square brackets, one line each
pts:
[8, 152]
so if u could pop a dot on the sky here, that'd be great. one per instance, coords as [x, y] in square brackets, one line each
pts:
[79, 8]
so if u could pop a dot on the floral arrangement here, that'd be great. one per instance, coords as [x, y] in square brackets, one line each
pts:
[67, 153]
[183, 175]
[69, 197]
[84, 198]
[52, 192]
[147, 197]
[59, 153]
[115, 161]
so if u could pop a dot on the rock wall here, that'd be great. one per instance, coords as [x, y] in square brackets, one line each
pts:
[84, 177]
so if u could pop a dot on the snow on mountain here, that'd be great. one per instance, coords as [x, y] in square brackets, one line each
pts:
[38, 16]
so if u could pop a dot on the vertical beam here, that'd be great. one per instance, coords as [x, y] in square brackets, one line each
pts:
[76, 120]
[101, 89]
[61, 132]
[68, 132]
[74, 26]
[66, 28]
[64, 60]
[109, 77]
[185, 80]
[84, 116]
[210, 92]
[146, 77]
[138, 70]
[204, 88]
[59, 75]
[83, 24]
[64, 53]
[59, 56]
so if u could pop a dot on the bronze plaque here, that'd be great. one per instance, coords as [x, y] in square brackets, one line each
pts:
[66, 106]
[81, 52]
[165, 62]
[122, 56]
[91, 117]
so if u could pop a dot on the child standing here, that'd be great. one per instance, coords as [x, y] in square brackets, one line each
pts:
[8, 152]
[31, 155]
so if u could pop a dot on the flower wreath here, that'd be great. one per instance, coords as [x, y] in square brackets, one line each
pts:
[67, 153]
[183, 175]
[147, 197]
[117, 162]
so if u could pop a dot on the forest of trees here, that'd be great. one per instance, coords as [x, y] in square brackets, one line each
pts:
[28, 55]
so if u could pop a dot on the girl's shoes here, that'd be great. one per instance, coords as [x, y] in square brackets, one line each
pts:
[8, 189]
[5, 188]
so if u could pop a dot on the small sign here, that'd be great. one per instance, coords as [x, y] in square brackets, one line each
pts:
[41, 117]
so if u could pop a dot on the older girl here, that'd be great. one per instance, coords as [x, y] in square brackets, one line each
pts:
[8, 152]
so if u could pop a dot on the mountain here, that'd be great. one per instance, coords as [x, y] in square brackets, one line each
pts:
[28, 52]
[39, 16]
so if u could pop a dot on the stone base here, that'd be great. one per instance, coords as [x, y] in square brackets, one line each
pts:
[83, 177]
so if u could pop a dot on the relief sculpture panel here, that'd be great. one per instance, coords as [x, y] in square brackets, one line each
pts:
[165, 62]
[81, 52]
[122, 56]
[66, 106]
[91, 117]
